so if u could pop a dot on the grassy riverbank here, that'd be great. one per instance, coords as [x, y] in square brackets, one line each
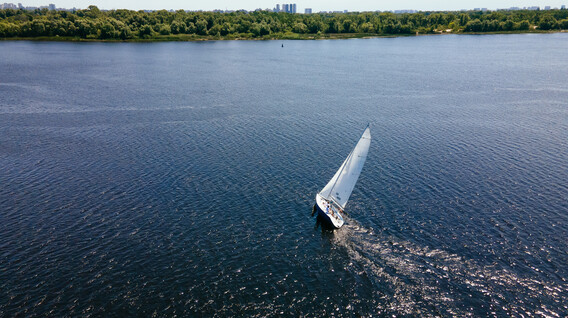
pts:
[289, 36]
[194, 37]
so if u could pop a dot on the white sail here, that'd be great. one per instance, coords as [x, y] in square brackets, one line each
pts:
[339, 188]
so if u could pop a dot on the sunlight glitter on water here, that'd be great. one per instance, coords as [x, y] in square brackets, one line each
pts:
[186, 189]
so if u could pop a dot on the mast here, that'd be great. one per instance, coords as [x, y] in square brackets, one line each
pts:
[340, 171]
[348, 160]
[348, 172]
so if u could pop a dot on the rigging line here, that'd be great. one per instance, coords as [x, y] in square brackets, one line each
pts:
[337, 203]
[346, 162]
[339, 175]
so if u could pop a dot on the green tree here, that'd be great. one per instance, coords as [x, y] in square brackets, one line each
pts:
[367, 27]
[315, 26]
[524, 25]
[300, 28]
[226, 29]
[349, 26]
[463, 18]
[177, 27]
[255, 29]
[215, 30]
[201, 26]
[335, 26]
[474, 26]
[264, 29]
[547, 22]
[38, 28]
[8, 29]
[126, 33]
[145, 31]
[508, 25]
[93, 12]
[191, 28]
[106, 31]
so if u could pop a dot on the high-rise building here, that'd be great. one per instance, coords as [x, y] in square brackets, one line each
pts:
[8, 6]
[286, 7]
[51, 6]
[308, 10]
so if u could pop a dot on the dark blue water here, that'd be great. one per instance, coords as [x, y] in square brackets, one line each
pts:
[179, 178]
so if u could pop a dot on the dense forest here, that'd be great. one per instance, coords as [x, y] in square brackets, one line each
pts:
[96, 24]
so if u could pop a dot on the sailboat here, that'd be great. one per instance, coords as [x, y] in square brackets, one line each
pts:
[331, 200]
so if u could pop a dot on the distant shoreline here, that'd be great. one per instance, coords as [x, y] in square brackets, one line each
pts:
[94, 25]
[303, 37]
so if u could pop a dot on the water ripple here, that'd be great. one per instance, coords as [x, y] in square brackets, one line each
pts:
[186, 188]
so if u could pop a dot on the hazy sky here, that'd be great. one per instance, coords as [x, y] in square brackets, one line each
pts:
[316, 5]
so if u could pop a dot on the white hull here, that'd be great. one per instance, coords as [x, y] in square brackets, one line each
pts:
[331, 214]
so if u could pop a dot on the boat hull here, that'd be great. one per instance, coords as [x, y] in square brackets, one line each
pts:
[333, 221]
[326, 219]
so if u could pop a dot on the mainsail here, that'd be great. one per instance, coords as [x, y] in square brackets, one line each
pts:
[339, 188]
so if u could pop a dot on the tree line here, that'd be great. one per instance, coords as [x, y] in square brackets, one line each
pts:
[93, 23]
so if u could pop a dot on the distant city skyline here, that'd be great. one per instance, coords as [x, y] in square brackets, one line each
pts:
[315, 5]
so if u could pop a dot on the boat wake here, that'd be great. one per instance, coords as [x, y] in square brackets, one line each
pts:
[417, 280]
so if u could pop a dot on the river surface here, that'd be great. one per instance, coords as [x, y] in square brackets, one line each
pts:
[163, 179]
